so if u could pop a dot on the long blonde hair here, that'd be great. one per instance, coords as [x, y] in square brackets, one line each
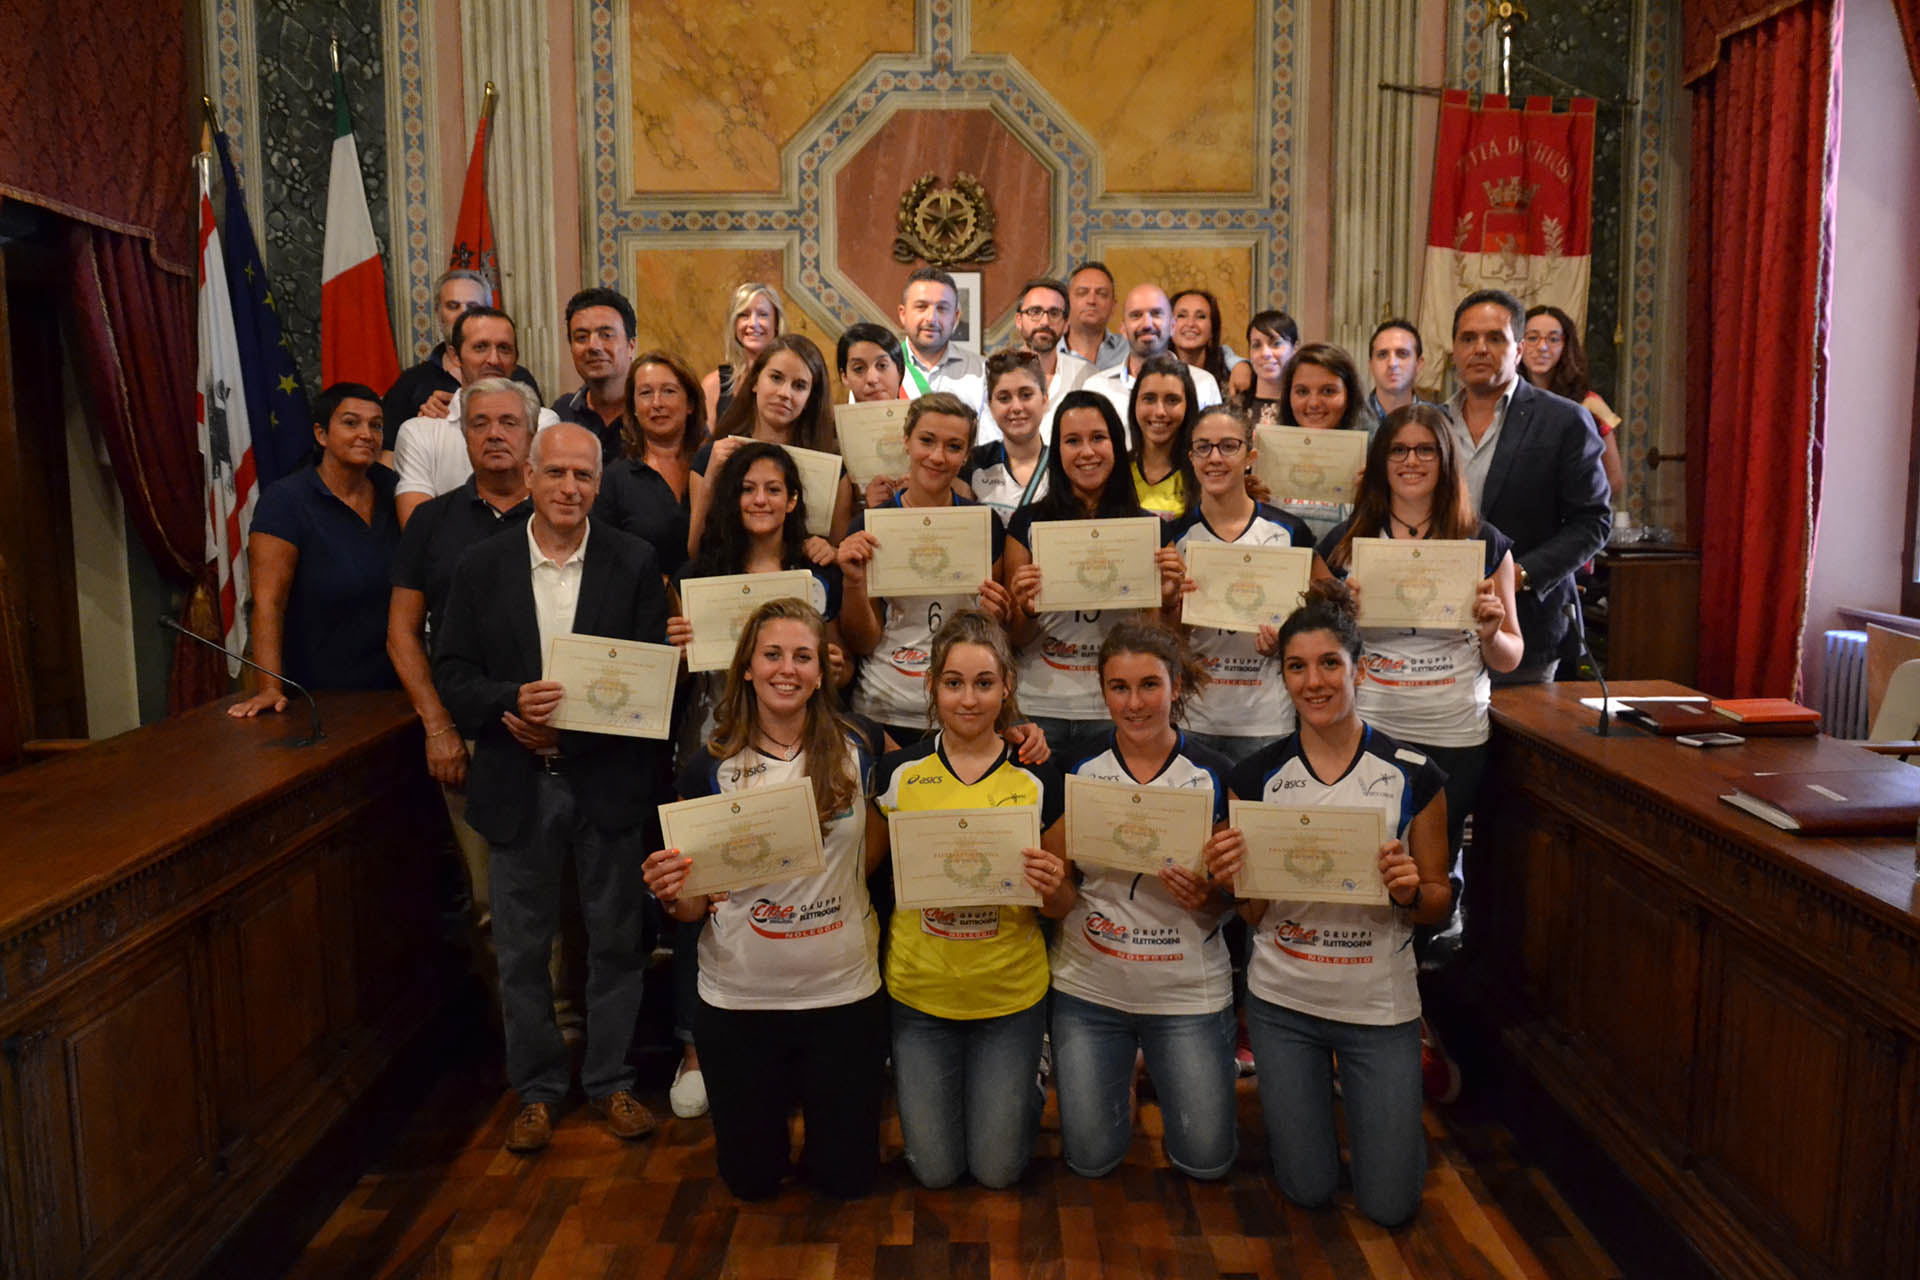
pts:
[736, 715]
[742, 299]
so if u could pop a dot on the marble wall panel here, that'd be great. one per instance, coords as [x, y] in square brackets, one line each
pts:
[721, 88]
[1225, 270]
[946, 143]
[681, 294]
[1165, 87]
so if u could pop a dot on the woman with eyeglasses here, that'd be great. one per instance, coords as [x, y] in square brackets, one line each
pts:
[1551, 357]
[1245, 705]
[1428, 688]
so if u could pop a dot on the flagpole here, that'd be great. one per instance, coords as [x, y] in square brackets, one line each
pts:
[487, 99]
[333, 51]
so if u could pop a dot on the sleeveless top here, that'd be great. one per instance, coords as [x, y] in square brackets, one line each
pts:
[726, 391]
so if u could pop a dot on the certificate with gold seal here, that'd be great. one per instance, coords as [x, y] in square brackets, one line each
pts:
[873, 439]
[819, 485]
[739, 839]
[1097, 564]
[963, 857]
[719, 607]
[1406, 582]
[1309, 464]
[929, 551]
[1310, 854]
[1127, 827]
[1239, 588]
[613, 686]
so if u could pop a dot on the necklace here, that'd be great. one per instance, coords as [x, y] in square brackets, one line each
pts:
[1413, 529]
[788, 750]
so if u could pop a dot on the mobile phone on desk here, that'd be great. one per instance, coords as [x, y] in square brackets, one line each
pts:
[1710, 740]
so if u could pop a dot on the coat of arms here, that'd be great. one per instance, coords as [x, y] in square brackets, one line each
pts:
[945, 226]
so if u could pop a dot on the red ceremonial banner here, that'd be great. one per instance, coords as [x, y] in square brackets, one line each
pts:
[473, 230]
[1512, 209]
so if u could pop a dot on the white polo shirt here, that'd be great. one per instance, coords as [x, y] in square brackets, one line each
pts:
[556, 587]
[960, 371]
[431, 453]
[1116, 384]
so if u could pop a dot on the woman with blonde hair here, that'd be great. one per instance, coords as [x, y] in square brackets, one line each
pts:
[754, 318]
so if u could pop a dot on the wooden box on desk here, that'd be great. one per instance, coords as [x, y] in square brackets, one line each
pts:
[1732, 1013]
[208, 948]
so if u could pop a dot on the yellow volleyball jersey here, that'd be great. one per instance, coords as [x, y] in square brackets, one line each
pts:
[1165, 498]
[965, 962]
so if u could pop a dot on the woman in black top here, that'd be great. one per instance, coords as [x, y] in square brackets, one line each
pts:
[645, 491]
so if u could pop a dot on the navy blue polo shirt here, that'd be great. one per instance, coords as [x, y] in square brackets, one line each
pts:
[336, 624]
[440, 532]
[573, 408]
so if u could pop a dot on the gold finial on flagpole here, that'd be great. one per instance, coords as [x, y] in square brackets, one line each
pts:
[209, 123]
[487, 99]
[333, 49]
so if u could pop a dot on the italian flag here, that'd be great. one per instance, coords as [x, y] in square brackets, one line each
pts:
[356, 337]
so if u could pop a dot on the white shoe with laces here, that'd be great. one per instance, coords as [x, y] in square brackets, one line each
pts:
[688, 1094]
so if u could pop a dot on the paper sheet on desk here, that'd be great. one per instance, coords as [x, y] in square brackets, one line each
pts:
[1616, 705]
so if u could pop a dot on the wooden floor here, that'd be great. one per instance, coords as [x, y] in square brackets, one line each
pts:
[444, 1200]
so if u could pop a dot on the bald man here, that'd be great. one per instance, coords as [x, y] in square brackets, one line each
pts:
[1146, 320]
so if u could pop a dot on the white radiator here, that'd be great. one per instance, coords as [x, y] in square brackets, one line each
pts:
[1843, 684]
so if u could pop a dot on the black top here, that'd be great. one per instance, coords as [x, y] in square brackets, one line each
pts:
[574, 408]
[440, 532]
[636, 498]
[725, 397]
[415, 386]
[336, 620]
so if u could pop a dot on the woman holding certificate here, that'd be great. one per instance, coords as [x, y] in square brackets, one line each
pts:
[1249, 706]
[900, 573]
[1008, 473]
[1431, 686]
[1333, 971]
[968, 982]
[1160, 415]
[783, 400]
[1107, 558]
[1320, 389]
[1140, 963]
[790, 1005]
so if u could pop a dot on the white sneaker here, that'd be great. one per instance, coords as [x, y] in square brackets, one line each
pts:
[688, 1093]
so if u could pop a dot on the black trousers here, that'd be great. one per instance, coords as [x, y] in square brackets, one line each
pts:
[759, 1062]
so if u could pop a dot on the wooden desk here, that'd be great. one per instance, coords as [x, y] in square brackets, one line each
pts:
[1732, 1013]
[208, 948]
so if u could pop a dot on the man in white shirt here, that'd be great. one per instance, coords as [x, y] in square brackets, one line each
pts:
[1090, 295]
[431, 453]
[929, 306]
[1041, 318]
[1147, 320]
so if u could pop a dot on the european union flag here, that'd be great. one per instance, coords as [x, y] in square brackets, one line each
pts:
[276, 402]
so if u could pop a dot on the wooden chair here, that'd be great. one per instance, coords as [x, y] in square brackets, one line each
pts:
[1896, 726]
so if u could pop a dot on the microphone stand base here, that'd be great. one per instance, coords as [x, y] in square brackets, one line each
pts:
[299, 740]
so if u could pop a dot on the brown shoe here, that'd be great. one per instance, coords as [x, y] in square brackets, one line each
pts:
[532, 1129]
[624, 1115]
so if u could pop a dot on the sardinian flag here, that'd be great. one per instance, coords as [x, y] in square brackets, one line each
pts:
[1512, 210]
[356, 336]
[226, 443]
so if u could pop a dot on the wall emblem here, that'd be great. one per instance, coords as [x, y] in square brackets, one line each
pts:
[946, 226]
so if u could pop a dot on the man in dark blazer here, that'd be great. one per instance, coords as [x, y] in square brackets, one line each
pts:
[539, 794]
[1533, 466]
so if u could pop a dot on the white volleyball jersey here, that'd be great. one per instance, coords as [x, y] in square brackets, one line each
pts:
[1246, 696]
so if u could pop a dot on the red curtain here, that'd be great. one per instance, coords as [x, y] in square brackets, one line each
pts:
[1908, 13]
[1765, 116]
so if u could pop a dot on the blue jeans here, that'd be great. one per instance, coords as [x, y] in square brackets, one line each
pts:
[969, 1093]
[1380, 1079]
[1189, 1056]
[1074, 739]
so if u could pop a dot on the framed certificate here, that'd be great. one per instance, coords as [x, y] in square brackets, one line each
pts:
[1310, 854]
[719, 607]
[929, 551]
[1097, 564]
[1126, 827]
[613, 686]
[1239, 588]
[873, 439]
[963, 857]
[819, 485]
[1417, 583]
[1309, 464]
[739, 839]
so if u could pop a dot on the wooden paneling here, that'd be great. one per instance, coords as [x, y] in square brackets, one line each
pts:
[1730, 1012]
[178, 973]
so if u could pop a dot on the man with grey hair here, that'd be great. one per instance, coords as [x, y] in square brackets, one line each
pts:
[430, 453]
[427, 389]
[543, 796]
[1147, 321]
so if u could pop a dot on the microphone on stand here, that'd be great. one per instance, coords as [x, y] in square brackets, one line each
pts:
[1579, 624]
[314, 732]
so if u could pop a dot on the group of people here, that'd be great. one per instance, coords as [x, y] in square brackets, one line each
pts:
[503, 524]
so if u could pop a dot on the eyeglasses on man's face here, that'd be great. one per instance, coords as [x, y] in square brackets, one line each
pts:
[1044, 313]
